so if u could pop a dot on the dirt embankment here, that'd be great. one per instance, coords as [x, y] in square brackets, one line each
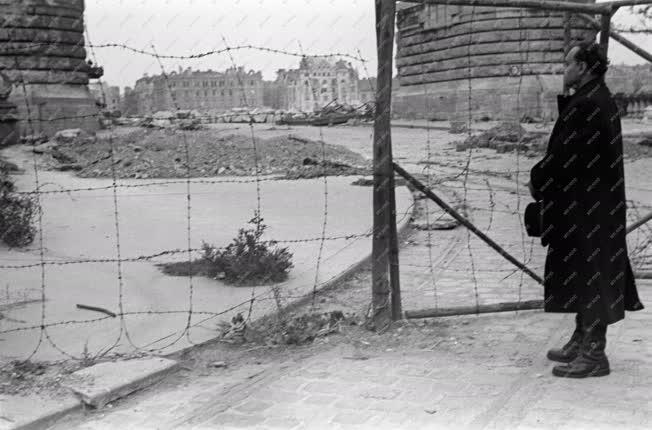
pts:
[152, 153]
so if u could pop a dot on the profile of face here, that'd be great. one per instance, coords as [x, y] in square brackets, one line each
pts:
[573, 70]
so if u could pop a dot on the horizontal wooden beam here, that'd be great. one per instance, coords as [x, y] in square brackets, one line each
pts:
[528, 4]
[617, 37]
[472, 310]
[624, 3]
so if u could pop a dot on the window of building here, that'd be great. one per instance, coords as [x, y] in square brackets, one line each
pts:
[197, 93]
[230, 92]
[205, 93]
[221, 83]
[222, 93]
[251, 83]
[214, 92]
[213, 83]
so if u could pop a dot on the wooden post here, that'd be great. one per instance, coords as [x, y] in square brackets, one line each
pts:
[394, 274]
[605, 31]
[567, 32]
[639, 223]
[382, 165]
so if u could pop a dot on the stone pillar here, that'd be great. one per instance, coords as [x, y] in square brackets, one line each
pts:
[42, 52]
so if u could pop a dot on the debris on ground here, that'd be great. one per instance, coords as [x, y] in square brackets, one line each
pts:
[28, 377]
[506, 137]
[283, 329]
[305, 328]
[428, 216]
[636, 147]
[457, 127]
[34, 139]
[369, 182]
[170, 153]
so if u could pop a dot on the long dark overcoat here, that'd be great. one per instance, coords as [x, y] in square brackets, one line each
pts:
[581, 183]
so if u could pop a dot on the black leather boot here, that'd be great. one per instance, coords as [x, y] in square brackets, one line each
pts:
[569, 352]
[592, 360]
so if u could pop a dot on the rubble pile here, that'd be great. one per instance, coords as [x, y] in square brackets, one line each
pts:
[156, 153]
[506, 137]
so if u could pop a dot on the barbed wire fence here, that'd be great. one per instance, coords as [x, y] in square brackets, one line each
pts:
[469, 181]
[259, 297]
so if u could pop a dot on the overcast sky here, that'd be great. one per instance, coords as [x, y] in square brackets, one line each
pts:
[183, 27]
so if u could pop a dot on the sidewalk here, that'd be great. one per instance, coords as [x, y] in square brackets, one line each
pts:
[487, 372]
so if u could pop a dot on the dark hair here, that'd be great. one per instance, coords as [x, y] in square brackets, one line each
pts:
[593, 55]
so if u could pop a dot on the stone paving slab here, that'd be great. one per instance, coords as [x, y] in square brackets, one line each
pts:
[102, 383]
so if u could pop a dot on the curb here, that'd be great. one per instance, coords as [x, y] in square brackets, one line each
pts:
[50, 418]
[94, 388]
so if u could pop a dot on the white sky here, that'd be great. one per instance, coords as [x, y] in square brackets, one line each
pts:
[182, 27]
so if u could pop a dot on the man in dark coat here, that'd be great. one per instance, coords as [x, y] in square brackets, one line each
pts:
[580, 181]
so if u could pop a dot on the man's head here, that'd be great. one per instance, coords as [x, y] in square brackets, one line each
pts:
[584, 61]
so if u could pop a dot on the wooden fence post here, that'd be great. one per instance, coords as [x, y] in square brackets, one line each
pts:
[604, 32]
[382, 165]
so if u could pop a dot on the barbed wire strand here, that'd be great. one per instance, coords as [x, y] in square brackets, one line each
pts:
[116, 215]
[39, 217]
[315, 97]
[468, 159]
[256, 170]
[186, 149]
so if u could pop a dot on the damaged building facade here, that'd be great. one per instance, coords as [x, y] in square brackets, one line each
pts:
[42, 54]
[316, 83]
[204, 91]
[496, 63]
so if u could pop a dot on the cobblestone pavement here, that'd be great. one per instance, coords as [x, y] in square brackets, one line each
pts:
[478, 372]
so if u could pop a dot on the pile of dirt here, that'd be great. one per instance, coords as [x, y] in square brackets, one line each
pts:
[6, 168]
[154, 153]
[506, 137]
[637, 147]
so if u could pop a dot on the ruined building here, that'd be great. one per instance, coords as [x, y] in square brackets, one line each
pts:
[106, 96]
[42, 53]
[204, 91]
[511, 59]
[316, 83]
